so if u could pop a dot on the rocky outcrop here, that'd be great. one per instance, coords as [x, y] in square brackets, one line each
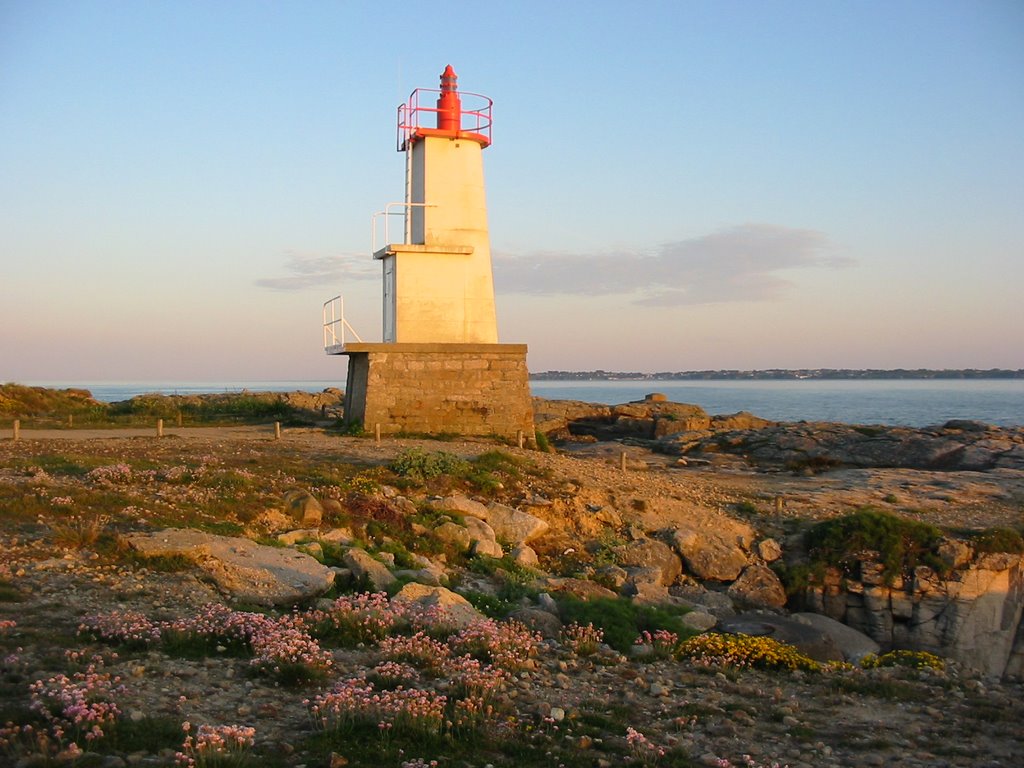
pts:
[954, 446]
[972, 615]
[689, 432]
[646, 419]
[246, 571]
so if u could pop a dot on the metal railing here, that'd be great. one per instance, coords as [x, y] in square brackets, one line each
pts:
[335, 323]
[385, 217]
[475, 117]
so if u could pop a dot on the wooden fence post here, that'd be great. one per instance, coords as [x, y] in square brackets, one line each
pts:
[17, 428]
[277, 430]
[159, 427]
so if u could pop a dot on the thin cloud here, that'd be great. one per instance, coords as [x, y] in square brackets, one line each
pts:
[311, 270]
[739, 264]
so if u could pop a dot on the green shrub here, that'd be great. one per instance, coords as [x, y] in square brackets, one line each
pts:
[901, 544]
[998, 540]
[621, 620]
[542, 442]
[403, 558]
[417, 464]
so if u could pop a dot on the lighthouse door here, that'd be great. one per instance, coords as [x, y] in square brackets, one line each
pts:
[389, 299]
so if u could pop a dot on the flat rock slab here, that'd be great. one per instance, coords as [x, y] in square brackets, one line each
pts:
[248, 572]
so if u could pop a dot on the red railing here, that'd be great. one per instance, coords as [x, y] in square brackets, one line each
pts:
[416, 119]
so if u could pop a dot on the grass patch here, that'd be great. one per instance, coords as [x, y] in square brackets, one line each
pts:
[888, 688]
[150, 734]
[9, 592]
[222, 527]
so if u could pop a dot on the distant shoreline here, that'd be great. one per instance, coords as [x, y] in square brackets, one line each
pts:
[785, 374]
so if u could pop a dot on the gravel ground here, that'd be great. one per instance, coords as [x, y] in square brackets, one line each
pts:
[863, 718]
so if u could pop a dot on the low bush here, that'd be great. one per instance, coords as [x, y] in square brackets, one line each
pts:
[998, 540]
[900, 545]
[417, 464]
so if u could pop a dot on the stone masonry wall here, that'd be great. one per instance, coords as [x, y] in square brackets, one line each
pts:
[466, 389]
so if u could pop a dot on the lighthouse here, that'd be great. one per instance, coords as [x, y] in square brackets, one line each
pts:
[437, 283]
[440, 367]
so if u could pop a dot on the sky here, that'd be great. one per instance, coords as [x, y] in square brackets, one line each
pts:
[672, 185]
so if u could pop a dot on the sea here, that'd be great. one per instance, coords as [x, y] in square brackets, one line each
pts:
[907, 402]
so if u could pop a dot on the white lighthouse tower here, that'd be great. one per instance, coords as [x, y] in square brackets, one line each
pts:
[437, 283]
[440, 367]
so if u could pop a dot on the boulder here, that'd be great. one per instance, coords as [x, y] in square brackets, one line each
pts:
[455, 535]
[695, 595]
[246, 571]
[338, 536]
[713, 554]
[769, 550]
[304, 507]
[481, 538]
[651, 553]
[297, 536]
[758, 587]
[852, 644]
[612, 576]
[457, 609]
[539, 620]
[525, 556]
[488, 548]
[645, 584]
[581, 588]
[461, 505]
[740, 420]
[333, 508]
[364, 566]
[515, 527]
[699, 621]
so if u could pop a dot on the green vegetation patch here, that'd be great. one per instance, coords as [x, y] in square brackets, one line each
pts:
[998, 540]
[622, 620]
[419, 465]
[900, 545]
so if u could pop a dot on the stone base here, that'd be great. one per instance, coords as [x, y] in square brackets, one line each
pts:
[463, 389]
